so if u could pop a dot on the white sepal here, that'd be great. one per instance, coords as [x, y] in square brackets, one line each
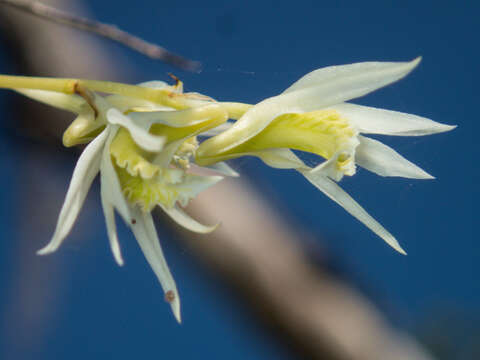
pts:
[319, 179]
[139, 134]
[384, 161]
[86, 169]
[184, 220]
[371, 71]
[146, 235]
[109, 213]
[108, 176]
[371, 120]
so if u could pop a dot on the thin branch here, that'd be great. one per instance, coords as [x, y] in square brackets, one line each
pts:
[105, 30]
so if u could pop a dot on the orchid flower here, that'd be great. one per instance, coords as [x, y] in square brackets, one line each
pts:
[143, 140]
[312, 116]
[142, 159]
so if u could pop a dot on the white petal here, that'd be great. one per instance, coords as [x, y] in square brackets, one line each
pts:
[224, 169]
[346, 85]
[109, 179]
[371, 120]
[184, 220]
[109, 214]
[384, 161]
[333, 73]
[85, 171]
[354, 81]
[146, 235]
[62, 101]
[139, 134]
[337, 194]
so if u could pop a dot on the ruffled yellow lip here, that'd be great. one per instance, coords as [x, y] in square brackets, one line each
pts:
[150, 179]
[147, 193]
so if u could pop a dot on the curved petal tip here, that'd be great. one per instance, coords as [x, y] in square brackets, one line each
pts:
[46, 250]
[119, 259]
[448, 127]
[416, 61]
[401, 251]
[171, 296]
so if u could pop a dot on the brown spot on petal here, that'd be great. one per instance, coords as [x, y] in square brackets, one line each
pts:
[134, 221]
[169, 296]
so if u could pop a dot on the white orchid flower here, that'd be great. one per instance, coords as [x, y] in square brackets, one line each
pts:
[312, 116]
[142, 140]
[133, 180]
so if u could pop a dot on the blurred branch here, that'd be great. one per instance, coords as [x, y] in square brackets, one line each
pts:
[319, 315]
[110, 32]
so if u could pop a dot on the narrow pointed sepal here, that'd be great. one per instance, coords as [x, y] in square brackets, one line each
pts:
[372, 72]
[144, 230]
[384, 161]
[319, 179]
[86, 169]
[109, 176]
[109, 214]
[370, 120]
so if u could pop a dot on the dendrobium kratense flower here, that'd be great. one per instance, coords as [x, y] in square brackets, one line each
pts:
[312, 116]
[144, 142]
[136, 157]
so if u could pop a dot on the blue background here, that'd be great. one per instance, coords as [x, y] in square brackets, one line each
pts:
[251, 50]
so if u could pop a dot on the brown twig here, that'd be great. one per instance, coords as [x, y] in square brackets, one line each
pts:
[105, 30]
